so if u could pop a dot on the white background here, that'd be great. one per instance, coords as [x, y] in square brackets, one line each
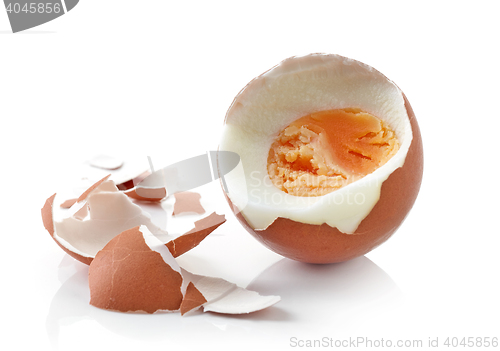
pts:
[156, 78]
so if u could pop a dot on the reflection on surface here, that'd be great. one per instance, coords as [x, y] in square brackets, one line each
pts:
[67, 307]
[328, 295]
[315, 298]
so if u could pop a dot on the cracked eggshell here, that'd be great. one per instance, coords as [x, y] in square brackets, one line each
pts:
[82, 232]
[135, 272]
[99, 214]
[192, 300]
[191, 239]
[127, 275]
[148, 195]
[225, 297]
[318, 230]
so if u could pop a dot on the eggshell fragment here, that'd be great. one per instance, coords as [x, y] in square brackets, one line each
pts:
[130, 183]
[101, 213]
[191, 239]
[187, 201]
[131, 270]
[68, 203]
[192, 300]
[48, 223]
[225, 297]
[47, 219]
[126, 275]
[142, 194]
[135, 273]
[106, 162]
[150, 195]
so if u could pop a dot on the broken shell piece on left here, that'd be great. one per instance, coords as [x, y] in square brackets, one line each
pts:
[101, 213]
[135, 272]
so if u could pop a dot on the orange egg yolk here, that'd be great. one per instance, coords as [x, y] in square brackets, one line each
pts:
[326, 150]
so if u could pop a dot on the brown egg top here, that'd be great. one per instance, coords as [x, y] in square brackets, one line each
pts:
[327, 150]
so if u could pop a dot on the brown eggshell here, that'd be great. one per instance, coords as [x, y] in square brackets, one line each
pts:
[191, 239]
[47, 217]
[68, 203]
[177, 247]
[126, 275]
[187, 201]
[325, 244]
[192, 299]
[150, 195]
[48, 223]
[129, 184]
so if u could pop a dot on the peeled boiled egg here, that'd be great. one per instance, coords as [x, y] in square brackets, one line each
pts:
[331, 158]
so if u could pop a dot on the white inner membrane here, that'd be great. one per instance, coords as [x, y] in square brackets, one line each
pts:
[87, 227]
[295, 88]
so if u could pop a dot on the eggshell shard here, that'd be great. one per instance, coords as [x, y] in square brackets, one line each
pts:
[106, 162]
[142, 194]
[135, 273]
[82, 239]
[191, 239]
[68, 203]
[149, 195]
[126, 275]
[127, 184]
[189, 202]
[225, 297]
[324, 241]
[193, 299]
[101, 213]
[48, 223]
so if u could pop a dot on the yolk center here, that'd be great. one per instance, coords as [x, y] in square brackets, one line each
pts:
[326, 150]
